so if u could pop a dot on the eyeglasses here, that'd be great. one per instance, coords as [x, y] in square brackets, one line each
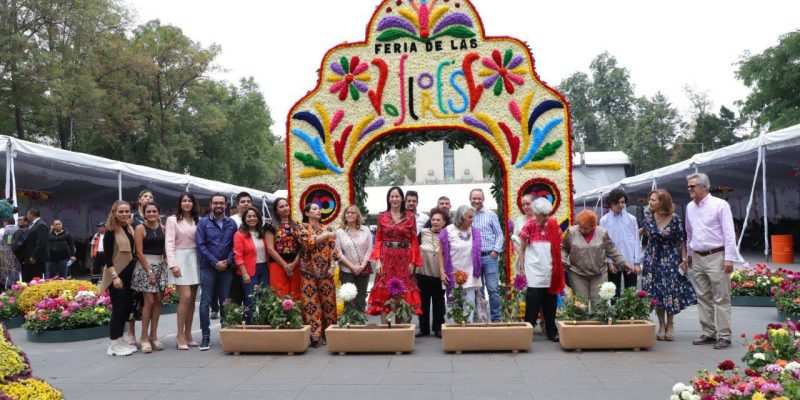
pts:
[690, 187]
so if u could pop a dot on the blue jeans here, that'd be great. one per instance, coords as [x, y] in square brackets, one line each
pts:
[261, 278]
[491, 280]
[212, 281]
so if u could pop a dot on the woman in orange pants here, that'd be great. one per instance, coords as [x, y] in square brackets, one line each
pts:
[283, 249]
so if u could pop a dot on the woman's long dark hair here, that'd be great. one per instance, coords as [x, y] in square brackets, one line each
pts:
[244, 228]
[402, 200]
[306, 209]
[195, 212]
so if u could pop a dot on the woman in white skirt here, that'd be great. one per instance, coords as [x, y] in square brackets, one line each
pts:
[461, 251]
[183, 264]
[150, 275]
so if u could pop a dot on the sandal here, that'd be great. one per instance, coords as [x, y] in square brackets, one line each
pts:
[131, 340]
[669, 336]
[157, 346]
[661, 333]
[146, 349]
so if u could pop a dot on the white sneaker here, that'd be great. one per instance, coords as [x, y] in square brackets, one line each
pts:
[118, 348]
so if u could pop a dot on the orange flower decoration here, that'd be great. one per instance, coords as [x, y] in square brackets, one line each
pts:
[460, 277]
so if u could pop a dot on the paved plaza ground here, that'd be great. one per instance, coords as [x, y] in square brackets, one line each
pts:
[84, 371]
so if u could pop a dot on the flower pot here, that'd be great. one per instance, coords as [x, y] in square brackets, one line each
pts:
[580, 335]
[398, 339]
[783, 316]
[752, 301]
[239, 339]
[69, 335]
[169, 308]
[512, 337]
[12, 323]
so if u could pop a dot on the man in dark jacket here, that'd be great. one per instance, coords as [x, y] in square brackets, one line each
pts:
[18, 238]
[214, 239]
[35, 247]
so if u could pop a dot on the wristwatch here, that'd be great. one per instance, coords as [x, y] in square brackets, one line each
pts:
[113, 275]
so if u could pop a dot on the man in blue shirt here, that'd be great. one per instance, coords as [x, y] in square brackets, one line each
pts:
[214, 239]
[492, 241]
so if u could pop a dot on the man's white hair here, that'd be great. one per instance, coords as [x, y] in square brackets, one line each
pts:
[542, 206]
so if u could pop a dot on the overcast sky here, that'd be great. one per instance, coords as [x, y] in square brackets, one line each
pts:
[664, 45]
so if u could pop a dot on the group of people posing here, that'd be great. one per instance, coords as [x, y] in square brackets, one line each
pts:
[229, 257]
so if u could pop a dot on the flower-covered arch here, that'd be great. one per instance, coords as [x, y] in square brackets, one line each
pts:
[428, 65]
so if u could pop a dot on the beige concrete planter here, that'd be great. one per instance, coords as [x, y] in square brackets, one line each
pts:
[512, 337]
[580, 335]
[398, 339]
[239, 339]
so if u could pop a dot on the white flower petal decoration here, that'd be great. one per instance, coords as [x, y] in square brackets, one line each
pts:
[348, 292]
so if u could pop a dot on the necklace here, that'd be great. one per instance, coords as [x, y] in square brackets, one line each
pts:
[464, 235]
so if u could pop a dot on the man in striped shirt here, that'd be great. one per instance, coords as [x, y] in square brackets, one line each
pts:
[492, 241]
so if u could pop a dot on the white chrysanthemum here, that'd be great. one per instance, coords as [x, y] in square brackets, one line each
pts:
[85, 294]
[759, 356]
[608, 290]
[686, 395]
[678, 388]
[674, 397]
[348, 292]
[792, 366]
[696, 397]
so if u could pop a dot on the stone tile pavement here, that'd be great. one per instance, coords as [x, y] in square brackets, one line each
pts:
[83, 371]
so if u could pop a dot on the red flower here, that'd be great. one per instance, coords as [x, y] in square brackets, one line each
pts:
[751, 373]
[726, 365]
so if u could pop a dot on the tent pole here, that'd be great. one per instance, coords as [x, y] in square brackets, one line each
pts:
[8, 168]
[265, 208]
[119, 184]
[750, 202]
[764, 197]
[655, 185]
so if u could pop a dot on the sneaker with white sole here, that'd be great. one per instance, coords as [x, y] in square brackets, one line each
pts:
[205, 344]
[118, 348]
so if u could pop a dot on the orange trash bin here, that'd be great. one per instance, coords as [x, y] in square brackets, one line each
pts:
[782, 249]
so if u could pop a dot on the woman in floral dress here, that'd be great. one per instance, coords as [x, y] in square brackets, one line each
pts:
[317, 244]
[283, 248]
[397, 253]
[665, 268]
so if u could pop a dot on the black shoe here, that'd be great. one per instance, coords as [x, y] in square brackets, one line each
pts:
[554, 338]
[214, 314]
[205, 344]
[703, 339]
[722, 344]
[438, 334]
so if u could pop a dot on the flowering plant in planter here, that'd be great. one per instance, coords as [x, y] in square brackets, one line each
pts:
[458, 309]
[634, 304]
[84, 309]
[776, 381]
[606, 310]
[39, 290]
[574, 307]
[170, 296]
[758, 281]
[9, 307]
[350, 314]
[268, 309]
[402, 312]
[512, 299]
[787, 295]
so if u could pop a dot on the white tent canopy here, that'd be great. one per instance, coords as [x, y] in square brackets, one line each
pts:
[732, 166]
[82, 179]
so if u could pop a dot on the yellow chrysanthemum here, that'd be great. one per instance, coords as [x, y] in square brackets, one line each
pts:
[31, 389]
[34, 294]
[759, 396]
[339, 307]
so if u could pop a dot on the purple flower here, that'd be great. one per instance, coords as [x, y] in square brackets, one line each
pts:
[396, 287]
[641, 294]
[520, 282]
[16, 287]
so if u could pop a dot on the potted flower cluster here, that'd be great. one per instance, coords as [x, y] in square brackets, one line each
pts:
[275, 325]
[613, 323]
[787, 298]
[10, 314]
[752, 287]
[771, 371]
[169, 303]
[508, 335]
[351, 335]
[16, 381]
[69, 317]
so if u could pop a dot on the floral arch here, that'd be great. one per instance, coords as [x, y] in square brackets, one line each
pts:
[428, 65]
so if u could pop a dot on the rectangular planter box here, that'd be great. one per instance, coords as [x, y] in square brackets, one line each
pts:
[752, 301]
[783, 316]
[12, 323]
[371, 339]
[582, 335]
[69, 335]
[239, 339]
[487, 337]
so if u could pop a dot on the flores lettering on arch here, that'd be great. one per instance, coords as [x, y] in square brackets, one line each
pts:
[428, 65]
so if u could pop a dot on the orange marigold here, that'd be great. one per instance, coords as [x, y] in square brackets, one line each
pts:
[460, 277]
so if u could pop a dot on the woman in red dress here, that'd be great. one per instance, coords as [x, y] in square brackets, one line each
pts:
[396, 253]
